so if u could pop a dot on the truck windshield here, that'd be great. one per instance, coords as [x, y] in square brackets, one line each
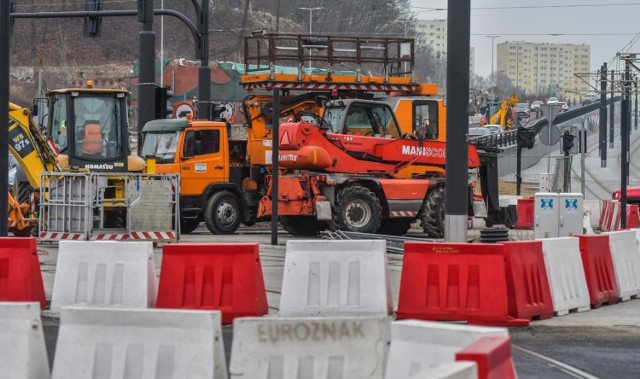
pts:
[161, 145]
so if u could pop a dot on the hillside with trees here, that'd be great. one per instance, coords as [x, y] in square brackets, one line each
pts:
[56, 52]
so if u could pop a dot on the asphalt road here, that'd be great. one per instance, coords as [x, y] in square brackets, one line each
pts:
[603, 343]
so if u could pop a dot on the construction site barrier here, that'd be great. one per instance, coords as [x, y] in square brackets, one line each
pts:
[493, 357]
[139, 343]
[20, 275]
[22, 349]
[104, 274]
[417, 346]
[592, 208]
[608, 211]
[100, 206]
[525, 214]
[633, 218]
[567, 280]
[598, 270]
[455, 282]
[456, 370]
[626, 263]
[527, 281]
[312, 347]
[336, 278]
[224, 277]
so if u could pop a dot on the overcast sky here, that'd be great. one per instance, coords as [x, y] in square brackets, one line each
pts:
[608, 26]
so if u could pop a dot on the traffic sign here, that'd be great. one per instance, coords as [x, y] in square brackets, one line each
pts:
[549, 135]
[183, 109]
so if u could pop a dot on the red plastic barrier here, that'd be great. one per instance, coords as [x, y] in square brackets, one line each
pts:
[493, 357]
[20, 275]
[598, 269]
[223, 277]
[633, 218]
[455, 282]
[527, 282]
[525, 214]
[606, 215]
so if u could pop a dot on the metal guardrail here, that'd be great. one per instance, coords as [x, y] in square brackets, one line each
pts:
[500, 141]
[395, 244]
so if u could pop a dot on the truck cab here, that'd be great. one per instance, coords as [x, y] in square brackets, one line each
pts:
[212, 185]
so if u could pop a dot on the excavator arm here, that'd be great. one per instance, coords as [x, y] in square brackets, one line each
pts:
[28, 145]
[34, 155]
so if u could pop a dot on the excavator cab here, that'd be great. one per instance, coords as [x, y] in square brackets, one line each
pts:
[90, 127]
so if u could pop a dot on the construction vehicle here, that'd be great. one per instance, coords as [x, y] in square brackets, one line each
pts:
[224, 187]
[67, 195]
[505, 116]
[357, 167]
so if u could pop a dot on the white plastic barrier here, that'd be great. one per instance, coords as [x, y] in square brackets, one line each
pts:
[109, 274]
[336, 278]
[420, 345]
[23, 354]
[592, 208]
[565, 271]
[626, 262]
[456, 370]
[309, 347]
[139, 343]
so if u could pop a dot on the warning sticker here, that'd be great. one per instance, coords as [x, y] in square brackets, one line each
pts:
[285, 140]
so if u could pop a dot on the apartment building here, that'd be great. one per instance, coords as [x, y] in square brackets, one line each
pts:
[433, 33]
[545, 68]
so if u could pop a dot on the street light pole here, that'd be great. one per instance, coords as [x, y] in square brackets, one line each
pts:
[493, 82]
[517, 64]
[310, 25]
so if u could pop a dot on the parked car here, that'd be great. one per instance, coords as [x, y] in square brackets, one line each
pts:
[552, 100]
[535, 107]
[523, 110]
[494, 128]
[479, 131]
[536, 104]
[564, 105]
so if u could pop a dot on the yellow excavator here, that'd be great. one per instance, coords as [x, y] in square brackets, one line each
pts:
[504, 116]
[80, 181]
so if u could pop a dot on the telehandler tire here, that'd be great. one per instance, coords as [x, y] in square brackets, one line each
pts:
[302, 225]
[395, 226]
[432, 213]
[222, 213]
[357, 209]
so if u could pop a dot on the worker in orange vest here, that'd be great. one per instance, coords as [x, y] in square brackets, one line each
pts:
[92, 142]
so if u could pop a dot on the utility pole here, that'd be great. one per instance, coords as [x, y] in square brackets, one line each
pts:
[493, 76]
[146, 74]
[458, 43]
[602, 127]
[624, 139]
[5, 53]
[611, 110]
[311, 26]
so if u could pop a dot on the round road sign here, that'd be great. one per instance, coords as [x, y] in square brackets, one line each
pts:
[183, 109]
[549, 135]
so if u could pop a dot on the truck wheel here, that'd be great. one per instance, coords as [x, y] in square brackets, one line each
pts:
[222, 214]
[357, 210]
[395, 226]
[188, 225]
[115, 220]
[302, 225]
[22, 192]
[433, 213]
